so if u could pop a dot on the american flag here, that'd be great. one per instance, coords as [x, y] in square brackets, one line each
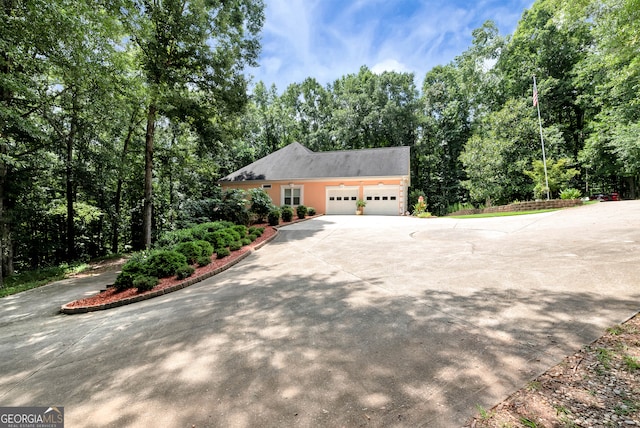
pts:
[535, 94]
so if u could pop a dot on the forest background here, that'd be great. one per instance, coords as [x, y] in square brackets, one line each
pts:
[116, 121]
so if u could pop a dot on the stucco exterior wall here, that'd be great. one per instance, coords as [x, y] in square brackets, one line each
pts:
[314, 193]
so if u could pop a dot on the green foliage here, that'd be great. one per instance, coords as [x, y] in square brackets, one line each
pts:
[164, 263]
[246, 241]
[235, 245]
[420, 207]
[220, 238]
[241, 230]
[558, 174]
[252, 237]
[274, 217]
[204, 260]
[301, 210]
[254, 230]
[260, 204]
[190, 250]
[311, 211]
[287, 213]
[570, 193]
[174, 237]
[184, 271]
[206, 249]
[144, 282]
[222, 252]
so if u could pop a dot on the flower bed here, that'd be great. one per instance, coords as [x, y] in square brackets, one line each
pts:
[112, 298]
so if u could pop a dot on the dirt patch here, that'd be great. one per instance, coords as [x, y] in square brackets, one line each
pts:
[598, 386]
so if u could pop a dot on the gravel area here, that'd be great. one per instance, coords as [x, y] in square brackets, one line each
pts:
[599, 386]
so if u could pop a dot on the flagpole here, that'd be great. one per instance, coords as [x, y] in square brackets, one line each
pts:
[536, 102]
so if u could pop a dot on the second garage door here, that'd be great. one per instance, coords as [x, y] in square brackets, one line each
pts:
[382, 200]
[341, 200]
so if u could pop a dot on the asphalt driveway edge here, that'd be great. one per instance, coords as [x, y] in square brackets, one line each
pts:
[72, 310]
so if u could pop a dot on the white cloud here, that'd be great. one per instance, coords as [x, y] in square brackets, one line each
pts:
[326, 39]
[389, 65]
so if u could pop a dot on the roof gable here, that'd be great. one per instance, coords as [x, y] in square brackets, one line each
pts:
[298, 162]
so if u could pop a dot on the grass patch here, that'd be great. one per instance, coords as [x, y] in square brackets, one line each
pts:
[36, 278]
[503, 214]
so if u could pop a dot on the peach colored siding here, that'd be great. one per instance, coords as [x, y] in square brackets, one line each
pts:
[314, 193]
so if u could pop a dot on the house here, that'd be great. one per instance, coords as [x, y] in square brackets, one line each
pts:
[330, 182]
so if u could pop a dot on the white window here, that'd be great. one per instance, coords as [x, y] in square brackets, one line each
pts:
[292, 195]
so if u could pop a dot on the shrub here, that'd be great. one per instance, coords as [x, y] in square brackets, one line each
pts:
[570, 194]
[173, 237]
[274, 217]
[184, 271]
[206, 249]
[246, 241]
[260, 204]
[235, 245]
[219, 239]
[164, 263]
[201, 230]
[254, 230]
[133, 268]
[252, 237]
[240, 229]
[144, 282]
[234, 234]
[222, 252]
[233, 207]
[311, 211]
[287, 213]
[190, 250]
[301, 210]
[204, 260]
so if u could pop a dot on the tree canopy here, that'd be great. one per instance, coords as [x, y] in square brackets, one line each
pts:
[118, 116]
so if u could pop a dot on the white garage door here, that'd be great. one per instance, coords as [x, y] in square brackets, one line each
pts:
[382, 200]
[341, 200]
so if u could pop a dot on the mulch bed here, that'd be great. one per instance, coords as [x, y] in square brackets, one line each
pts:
[113, 298]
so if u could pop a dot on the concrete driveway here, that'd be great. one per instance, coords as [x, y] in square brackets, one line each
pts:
[340, 321]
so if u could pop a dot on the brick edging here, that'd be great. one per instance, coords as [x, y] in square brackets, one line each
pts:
[524, 206]
[65, 309]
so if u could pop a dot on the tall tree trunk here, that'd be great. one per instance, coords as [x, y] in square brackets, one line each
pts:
[115, 226]
[71, 239]
[147, 214]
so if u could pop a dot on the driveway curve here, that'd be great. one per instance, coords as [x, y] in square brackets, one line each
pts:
[340, 321]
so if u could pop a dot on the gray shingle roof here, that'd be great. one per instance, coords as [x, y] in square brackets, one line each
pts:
[297, 162]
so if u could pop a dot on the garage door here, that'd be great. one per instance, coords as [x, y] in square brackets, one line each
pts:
[382, 200]
[341, 200]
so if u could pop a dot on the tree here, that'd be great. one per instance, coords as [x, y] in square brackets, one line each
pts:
[193, 54]
[558, 175]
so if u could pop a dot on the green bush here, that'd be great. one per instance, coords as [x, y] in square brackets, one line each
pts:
[190, 250]
[222, 252]
[311, 211]
[246, 241]
[235, 245]
[570, 194]
[240, 229]
[204, 260]
[185, 272]
[164, 263]
[130, 270]
[235, 235]
[206, 249]
[173, 237]
[255, 230]
[287, 213]
[301, 210]
[252, 237]
[260, 204]
[219, 239]
[274, 217]
[144, 282]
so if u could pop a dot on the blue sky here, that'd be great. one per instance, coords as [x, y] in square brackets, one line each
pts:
[327, 39]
